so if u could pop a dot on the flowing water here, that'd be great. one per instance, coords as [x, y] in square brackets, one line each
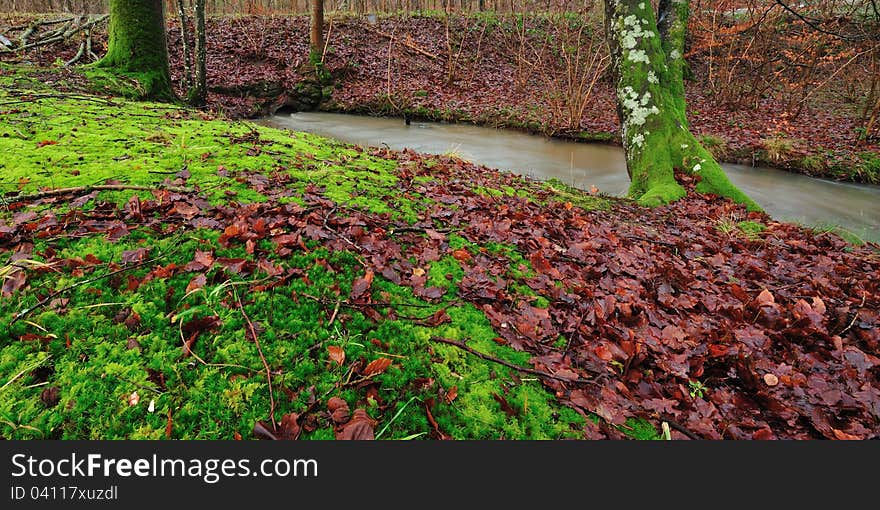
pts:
[785, 196]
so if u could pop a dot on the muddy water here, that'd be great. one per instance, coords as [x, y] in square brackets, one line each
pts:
[785, 196]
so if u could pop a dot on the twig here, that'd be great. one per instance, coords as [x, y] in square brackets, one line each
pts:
[27, 311]
[335, 311]
[855, 315]
[89, 189]
[327, 40]
[508, 364]
[192, 353]
[262, 357]
[648, 240]
[26, 370]
[365, 305]
[681, 428]
[399, 230]
[812, 23]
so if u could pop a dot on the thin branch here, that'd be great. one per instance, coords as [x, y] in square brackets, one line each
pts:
[262, 357]
[811, 23]
[26, 370]
[89, 189]
[855, 316]
[27, 311]
[532, 371]
[57, 36]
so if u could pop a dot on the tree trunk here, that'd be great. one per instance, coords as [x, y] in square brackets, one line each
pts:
[316, 39]
[184, 41]
[199, 94]
[648, 60]
[137, 45]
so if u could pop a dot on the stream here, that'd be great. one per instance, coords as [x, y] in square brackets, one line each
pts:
[784, 195]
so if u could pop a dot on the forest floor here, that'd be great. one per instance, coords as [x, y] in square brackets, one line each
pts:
[210, 278]
[484, 76]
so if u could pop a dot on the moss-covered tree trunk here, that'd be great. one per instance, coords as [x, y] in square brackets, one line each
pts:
[648, 59]
[137, 45]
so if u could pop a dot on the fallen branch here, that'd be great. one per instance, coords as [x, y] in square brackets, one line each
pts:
[356, 306]
[405, 42]
[531, 371]
[681, 428]
[59, 35]
[43, 302]
[89, 189]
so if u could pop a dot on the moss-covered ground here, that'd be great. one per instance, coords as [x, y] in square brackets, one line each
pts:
[93, 345]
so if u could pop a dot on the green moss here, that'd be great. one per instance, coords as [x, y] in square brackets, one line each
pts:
[561, 192]
[751, 229]
[445, 273]
[137, 47]
[716, 145]
[868, 168]
[637, 428]
[221, 390]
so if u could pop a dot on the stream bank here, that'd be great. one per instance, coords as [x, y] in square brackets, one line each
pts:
[254, 63]
[786, 196]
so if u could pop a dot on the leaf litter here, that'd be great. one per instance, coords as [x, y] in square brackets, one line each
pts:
[664, 315]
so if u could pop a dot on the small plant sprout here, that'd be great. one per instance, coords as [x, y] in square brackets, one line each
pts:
[697, 389]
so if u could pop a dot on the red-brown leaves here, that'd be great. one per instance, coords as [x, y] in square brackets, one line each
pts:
[376, 367]
[13, 281]
[337, 355]
[339, 411]
[461, 255]
[728, 336]
[50, 396]
[505, 405]
[437, 318]
[359, 426]
[361, 285]
[135, 256]
[195, 327]
[289, 428]
[197, 282]
[187, 211]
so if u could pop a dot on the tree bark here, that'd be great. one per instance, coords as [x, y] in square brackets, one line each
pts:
[316, 39]
[137, 45]
[184, 42]
[199, 94]
[648, 61]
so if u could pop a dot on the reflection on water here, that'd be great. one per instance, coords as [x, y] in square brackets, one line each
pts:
[785, 196]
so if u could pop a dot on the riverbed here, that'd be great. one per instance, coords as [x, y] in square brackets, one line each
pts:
[784, 195]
